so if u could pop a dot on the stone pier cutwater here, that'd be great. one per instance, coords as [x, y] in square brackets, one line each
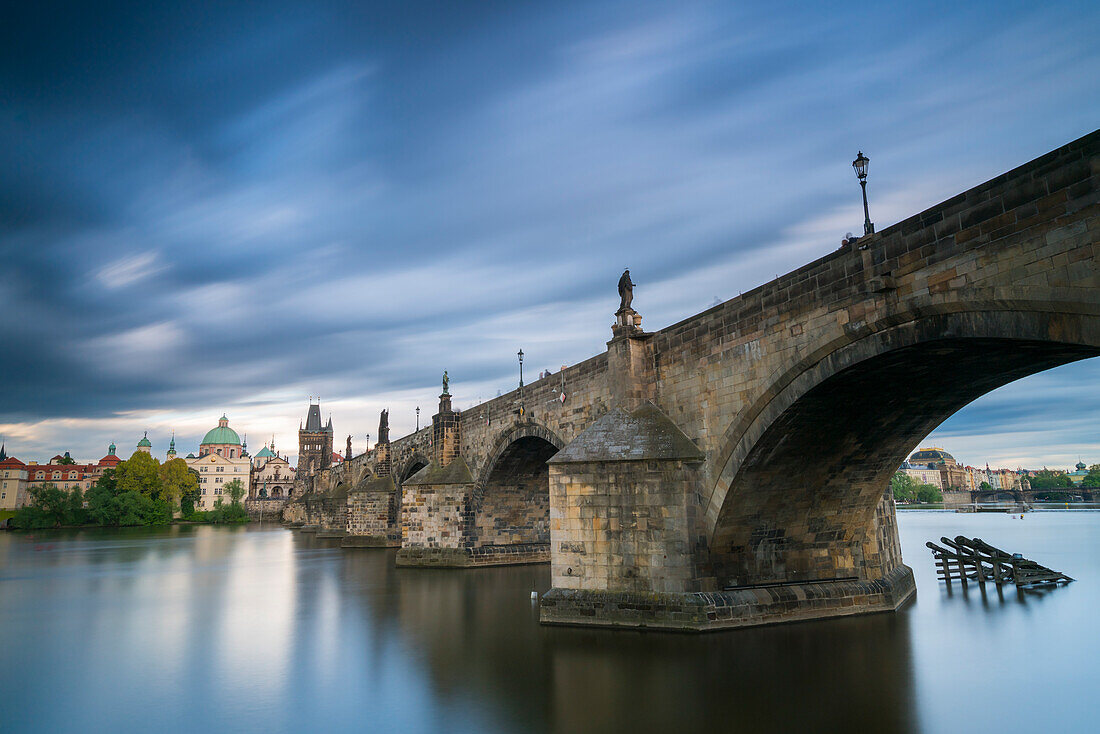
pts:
[732, 469]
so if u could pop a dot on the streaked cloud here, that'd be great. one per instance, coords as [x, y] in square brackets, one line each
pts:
[229, 217]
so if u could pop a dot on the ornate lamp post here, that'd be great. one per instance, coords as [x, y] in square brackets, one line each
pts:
[418, 417]
[860, 164]
[520, 355]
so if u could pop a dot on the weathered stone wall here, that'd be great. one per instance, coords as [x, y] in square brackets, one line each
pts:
[434, 511]
[588, 396]
[512, 506]
[625, 526]
[269, 510]
[370, 513]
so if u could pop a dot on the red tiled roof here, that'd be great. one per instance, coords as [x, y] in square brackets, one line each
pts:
[65, 469]
[109, 460]
[12, 462]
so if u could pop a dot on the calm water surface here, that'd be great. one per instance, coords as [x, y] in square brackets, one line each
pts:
[249, 629]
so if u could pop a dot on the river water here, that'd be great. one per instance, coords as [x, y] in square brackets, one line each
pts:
[268, 630]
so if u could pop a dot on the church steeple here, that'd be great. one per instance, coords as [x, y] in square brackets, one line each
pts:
[172, 447]
[3, 451]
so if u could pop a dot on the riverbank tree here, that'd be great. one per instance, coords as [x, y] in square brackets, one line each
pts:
[50, 507]
[225, 512]
[139, 491]
[907, 489]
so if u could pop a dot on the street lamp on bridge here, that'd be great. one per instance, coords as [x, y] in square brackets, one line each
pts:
[418, 417]
[860, 164]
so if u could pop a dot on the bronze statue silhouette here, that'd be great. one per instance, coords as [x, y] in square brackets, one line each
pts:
[626, 291]
[384, 427]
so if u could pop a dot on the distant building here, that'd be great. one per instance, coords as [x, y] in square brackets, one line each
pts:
[13, 483]
[923, 474]
[272, 475]
[1078, 476]
[952, 475]
[217, 470]
[314, 444]
[144, 444]
[110, 461]
[222, 441]
[62, 476]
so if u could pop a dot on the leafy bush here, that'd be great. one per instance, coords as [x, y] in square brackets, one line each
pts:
[110, 504]
[51, 507]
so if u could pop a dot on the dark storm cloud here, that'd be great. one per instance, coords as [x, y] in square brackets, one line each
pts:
[226, 204]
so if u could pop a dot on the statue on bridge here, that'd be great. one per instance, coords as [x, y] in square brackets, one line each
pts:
[384, 427]
[626, 292]
[446, 383]
[347, 454]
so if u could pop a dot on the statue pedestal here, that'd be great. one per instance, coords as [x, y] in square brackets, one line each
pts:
[627, 322]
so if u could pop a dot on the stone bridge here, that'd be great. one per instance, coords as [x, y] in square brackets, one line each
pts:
[955, 499]
[732, 469]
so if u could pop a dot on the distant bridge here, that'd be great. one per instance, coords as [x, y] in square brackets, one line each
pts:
[730, 469]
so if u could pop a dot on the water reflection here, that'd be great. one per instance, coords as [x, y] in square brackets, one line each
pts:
[479, 634]
[248, 629]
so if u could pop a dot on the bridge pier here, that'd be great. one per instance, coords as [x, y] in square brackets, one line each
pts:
[630, 550]
[439, 506]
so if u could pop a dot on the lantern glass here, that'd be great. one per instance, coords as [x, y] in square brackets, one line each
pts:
[860, 164]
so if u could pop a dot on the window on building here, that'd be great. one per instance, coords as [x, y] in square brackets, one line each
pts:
[219, 452]
[204, 490]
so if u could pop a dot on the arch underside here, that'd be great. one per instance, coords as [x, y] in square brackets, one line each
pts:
[511, 506]
[806, 500]
[415, 464]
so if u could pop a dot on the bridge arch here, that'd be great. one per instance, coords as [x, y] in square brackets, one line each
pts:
[800, 493]
[510, 502]
[411, 466]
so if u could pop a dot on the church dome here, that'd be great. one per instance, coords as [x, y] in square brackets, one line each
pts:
[144, 442]
[223, 434]
[930, 456]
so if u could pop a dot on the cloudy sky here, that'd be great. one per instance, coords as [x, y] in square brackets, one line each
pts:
[228, 207]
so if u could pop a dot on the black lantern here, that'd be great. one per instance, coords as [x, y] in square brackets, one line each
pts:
[860, 166]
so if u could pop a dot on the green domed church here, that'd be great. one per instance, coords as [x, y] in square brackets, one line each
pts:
[222, 441]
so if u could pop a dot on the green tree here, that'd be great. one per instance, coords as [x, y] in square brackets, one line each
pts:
[178, 480]
[1092, 479]
[929, 493]
[110, 504]
[235, 490]
[985, 487]
[904, 487]
[66, 460]
[1047, 479]
[51, 507]
[140, 473]
[189, 497]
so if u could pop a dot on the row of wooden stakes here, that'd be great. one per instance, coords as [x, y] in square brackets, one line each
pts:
[965, 559]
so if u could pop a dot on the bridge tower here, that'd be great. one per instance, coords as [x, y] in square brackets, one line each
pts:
[314, 443]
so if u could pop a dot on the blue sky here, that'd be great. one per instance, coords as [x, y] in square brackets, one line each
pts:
[228, 207]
